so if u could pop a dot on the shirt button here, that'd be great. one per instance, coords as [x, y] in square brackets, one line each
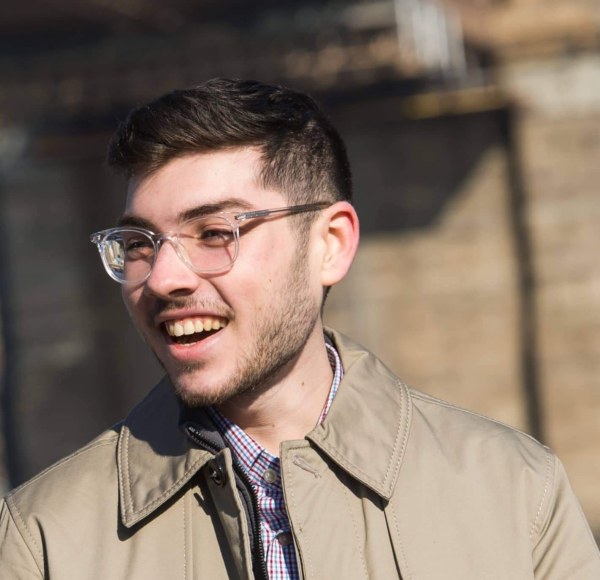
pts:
[270, 475]
[285, 538]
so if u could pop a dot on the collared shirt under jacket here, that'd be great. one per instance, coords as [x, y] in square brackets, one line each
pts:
[393, 484]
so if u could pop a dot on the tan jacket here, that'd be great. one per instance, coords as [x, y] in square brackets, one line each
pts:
[393, 483]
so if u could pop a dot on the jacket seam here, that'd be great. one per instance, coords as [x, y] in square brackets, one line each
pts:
[12, 507]
[355, 530]
[404, 573]
[341, 459]
[305, 560]
[149, 508]
[124, 479]
[397, 463]
[441, 403]
[548, 480]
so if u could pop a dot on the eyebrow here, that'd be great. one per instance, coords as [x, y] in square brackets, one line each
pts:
[212, 208]
[136, 222]
[194, 212]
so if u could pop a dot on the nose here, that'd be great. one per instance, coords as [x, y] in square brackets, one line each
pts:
[170, 276]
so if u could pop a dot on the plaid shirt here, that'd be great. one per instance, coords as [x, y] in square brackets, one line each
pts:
[264, 471]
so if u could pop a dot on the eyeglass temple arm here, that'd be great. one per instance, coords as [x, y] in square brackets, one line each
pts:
[291, 209]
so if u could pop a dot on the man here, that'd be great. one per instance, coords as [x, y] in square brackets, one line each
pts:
[274, 448]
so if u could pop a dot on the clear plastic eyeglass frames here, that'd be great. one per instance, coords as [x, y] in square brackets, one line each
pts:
[206, 245]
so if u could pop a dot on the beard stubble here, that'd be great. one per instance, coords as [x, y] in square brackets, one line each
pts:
[280, 335]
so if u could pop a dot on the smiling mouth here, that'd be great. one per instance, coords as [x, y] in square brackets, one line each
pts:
[192, 330]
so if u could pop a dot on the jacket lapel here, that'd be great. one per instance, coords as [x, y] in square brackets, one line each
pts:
[154, 456]
[367, 427]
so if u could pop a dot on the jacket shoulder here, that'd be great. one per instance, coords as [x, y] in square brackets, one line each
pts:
[491, 461]
[490, 486]
[89, 468]
[480, 442]
[443, 415]
[78, 489]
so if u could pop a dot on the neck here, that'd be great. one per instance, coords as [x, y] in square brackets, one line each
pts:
[291, 407]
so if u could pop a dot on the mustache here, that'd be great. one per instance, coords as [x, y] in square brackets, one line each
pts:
[213, 306]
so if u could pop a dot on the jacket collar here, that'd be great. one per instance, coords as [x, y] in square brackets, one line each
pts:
[367, 427]
[155, 458]
[365, 433]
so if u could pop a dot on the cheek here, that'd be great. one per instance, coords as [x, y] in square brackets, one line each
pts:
[257, 268]
[131, 299]
[251, 290]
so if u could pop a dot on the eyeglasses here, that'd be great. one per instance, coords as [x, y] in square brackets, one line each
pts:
[206, 245]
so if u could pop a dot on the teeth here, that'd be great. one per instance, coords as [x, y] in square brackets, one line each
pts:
[193, 325]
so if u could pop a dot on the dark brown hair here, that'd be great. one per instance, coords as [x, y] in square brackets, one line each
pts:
[303, 155]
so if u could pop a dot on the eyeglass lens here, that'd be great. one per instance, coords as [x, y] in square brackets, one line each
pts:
[206, 245]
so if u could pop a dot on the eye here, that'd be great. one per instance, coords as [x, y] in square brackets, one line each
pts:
[136, 247]
[211, 232]
[137, 244]
[214, 234]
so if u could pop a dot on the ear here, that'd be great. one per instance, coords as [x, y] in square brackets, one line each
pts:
[339, 234]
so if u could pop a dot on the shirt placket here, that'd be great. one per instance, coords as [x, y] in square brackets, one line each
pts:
[264, 472]
[275, 526]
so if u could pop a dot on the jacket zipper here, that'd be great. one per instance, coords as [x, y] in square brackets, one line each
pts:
[259, 550]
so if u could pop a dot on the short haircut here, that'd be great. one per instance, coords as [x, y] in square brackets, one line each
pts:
[303, 155]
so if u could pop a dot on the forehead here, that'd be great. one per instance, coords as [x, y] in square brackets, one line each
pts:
[197, 180]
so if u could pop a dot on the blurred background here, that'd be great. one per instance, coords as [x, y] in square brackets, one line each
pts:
[473, 128]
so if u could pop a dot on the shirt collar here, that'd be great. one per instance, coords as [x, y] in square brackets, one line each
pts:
[248, 451]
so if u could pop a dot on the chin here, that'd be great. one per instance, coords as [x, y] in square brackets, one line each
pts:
[194, 391]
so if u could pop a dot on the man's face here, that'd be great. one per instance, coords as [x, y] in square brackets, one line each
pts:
[260, 313]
